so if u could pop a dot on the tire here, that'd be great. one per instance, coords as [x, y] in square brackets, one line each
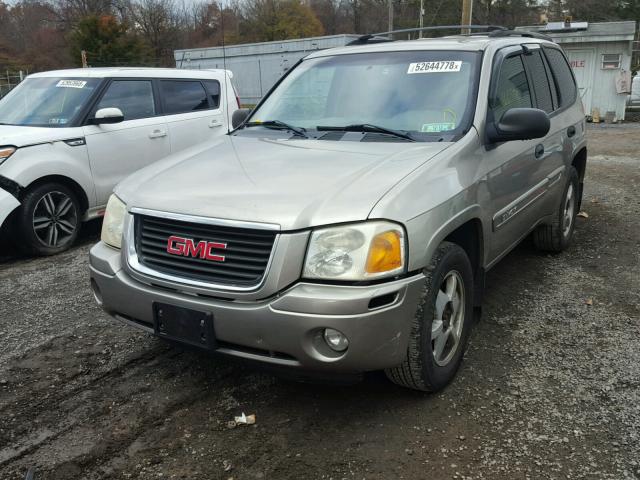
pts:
[556, 236]
[49, 220]
[421, 370]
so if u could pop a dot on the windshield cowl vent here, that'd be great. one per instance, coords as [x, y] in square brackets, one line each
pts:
[382, 137]
[334, 136]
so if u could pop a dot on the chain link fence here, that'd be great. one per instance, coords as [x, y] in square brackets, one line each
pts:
[9, 79]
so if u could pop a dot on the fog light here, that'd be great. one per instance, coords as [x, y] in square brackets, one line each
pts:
[336, 340]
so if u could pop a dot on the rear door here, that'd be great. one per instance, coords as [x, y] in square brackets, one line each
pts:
[118, 150]
[193, 111]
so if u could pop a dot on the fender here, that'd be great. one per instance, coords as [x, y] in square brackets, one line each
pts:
[29, 164]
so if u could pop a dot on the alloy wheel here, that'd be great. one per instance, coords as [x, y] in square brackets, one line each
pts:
[568, 213]
[446, 329]
[55, 219]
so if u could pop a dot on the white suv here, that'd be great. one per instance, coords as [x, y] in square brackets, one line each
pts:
[67, 137]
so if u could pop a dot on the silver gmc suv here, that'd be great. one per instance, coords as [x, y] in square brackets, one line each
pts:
[346, 224]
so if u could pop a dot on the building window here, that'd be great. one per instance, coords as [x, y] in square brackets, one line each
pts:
[610, 61]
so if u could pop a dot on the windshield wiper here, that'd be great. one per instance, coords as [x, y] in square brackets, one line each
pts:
[279, 125]
[368, 127]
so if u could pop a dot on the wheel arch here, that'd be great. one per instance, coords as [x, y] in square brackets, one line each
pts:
[466, 229]
[579, 162]
[71, 184]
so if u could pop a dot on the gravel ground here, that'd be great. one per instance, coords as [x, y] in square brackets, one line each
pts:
[550, 386]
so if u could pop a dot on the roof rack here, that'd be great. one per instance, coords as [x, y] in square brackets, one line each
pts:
[519, 33]
[386, 36]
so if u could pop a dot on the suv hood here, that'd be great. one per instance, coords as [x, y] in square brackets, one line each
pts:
[292, 183]
[19, 136]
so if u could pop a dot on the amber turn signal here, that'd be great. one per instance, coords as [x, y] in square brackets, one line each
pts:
[385, 252]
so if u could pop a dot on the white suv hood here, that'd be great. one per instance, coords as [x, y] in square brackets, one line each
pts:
[291, 183]
[19, 136]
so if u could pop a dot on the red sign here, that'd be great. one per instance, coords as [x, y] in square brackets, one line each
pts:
[577, 63]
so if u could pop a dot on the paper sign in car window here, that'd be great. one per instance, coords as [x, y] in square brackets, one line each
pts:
[71, 83]
[438, 127]
[442, 66]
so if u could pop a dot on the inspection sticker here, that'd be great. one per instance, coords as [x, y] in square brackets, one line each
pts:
[435, 67]
[71, 83]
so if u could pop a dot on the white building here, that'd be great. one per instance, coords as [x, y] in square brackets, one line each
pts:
[599, 53]
[257, 66]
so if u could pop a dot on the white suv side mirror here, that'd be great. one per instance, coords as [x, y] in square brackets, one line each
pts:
[108, 115]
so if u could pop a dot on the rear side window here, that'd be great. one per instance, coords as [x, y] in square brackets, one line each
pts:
[180, 96]
[133, 97]
[512, 88]
[540, 81]
[213, 88]
[562, 75]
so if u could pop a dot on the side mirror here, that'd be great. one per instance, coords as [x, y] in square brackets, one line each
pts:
[108, 115]
[239, 116]
[519, 124]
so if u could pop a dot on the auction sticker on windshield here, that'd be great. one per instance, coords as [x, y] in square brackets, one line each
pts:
[435, 67]
[71, 83]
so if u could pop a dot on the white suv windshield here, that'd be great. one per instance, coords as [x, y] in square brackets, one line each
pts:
[425, 93]
[46, 102]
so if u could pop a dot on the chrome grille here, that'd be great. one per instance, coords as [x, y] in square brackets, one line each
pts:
[246, 255]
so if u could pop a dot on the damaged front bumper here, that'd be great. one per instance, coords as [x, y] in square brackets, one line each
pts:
[8, 203]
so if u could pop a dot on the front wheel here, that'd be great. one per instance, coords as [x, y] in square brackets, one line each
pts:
[49, 219]
[441, 325]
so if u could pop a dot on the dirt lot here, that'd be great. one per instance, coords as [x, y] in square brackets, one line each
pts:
[550, 386]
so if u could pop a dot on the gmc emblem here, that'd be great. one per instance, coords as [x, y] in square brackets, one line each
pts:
[187, 247]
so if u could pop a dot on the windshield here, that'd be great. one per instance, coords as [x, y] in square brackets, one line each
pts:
[46, 102]
[425, 93]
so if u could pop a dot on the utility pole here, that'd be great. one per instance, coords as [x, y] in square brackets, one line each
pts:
[421, 17]
[390, 15]
[467, 9]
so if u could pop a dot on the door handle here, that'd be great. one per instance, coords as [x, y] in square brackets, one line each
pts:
[571, 131]
[158, 133]
[539, 152]
[215, 123]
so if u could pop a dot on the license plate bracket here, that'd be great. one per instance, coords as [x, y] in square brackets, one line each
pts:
[184, 325]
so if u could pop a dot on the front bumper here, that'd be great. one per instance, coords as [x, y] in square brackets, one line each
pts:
[8, 203]
[284, 329]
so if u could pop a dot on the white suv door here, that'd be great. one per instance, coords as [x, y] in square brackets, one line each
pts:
[119, 149]
[194, 111]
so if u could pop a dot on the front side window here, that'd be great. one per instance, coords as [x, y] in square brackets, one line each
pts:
[183, 96]
[429, 94]
[512, 88]
[47, 101]
[133, 97]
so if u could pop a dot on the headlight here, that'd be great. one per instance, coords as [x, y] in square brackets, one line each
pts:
[6, 152]
[113, 222]
[361, 251]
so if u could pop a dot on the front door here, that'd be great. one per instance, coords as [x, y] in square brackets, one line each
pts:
[120, 149]
[582, 63]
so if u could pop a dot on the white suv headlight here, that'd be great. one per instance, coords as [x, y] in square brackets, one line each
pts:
[113, 222]
[6, 152]
[361, 251]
